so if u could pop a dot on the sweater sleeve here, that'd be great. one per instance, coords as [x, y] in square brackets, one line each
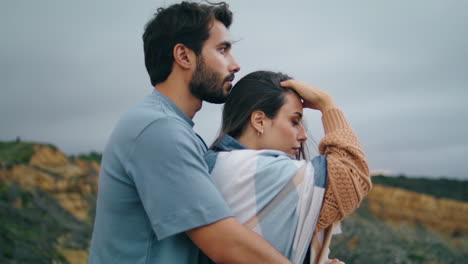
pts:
[348, 173]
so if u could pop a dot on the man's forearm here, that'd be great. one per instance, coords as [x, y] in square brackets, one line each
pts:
[228, 241]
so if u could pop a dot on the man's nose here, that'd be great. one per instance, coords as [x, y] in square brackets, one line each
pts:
[235, 67]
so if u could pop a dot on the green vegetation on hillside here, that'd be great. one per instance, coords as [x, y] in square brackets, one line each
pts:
[440, 188]
[368, 240]
[91, 156]
[28, 234]
[14, 152]
[33, 225]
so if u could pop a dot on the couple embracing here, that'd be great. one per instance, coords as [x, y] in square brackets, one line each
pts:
[254, 196]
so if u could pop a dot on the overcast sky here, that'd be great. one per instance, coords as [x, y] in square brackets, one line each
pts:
[398, 69]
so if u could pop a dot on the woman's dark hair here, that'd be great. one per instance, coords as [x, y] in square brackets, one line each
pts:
[260, 90]
[185, 23]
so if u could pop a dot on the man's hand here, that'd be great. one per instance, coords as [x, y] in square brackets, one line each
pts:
[228, 241]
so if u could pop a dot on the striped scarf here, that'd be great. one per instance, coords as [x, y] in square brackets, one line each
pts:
[277, 197]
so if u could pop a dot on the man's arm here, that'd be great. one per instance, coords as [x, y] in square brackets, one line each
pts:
[178, 195]
[228, 241]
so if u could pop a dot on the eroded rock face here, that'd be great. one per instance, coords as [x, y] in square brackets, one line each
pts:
[47, 158]
[72, 183]
[67, 181]
[54, 161]
[396, 204]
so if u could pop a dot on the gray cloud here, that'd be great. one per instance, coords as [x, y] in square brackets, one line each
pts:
[398, 69]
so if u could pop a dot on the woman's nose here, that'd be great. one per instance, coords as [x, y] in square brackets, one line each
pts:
[302, 137]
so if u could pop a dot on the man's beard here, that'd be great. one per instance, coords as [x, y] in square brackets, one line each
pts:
[207, 84]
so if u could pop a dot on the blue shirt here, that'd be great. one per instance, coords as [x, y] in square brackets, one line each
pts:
[153, 186]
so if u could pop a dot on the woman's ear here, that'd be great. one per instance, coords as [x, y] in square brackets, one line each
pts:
[183, 56]
[257, 119]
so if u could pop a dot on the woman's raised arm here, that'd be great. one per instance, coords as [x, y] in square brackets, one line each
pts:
[348, 178]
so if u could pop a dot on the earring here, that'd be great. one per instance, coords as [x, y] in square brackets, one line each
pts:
[259, 133]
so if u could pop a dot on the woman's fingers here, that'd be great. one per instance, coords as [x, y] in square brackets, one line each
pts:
[298, 86]
[313, 97]
[288, 83]
[304, 90]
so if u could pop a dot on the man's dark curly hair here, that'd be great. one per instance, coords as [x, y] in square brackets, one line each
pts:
[185, 23]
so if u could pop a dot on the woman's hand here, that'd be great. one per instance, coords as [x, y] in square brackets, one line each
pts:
[314, 98]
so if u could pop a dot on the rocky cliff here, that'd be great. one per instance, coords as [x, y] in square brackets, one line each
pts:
[61, 188]
[395, 225]
[54, 195]
[398, 205]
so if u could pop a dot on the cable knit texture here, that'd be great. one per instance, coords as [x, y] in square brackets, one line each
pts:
[348, 172]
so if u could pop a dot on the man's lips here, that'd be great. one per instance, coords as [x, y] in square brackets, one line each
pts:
[230, 78]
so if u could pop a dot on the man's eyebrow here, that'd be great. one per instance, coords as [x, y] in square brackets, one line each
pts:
[226, 44]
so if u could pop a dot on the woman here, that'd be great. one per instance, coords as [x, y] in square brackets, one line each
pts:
[294, 204]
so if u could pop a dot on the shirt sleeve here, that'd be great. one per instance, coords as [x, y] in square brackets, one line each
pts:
[172, 179]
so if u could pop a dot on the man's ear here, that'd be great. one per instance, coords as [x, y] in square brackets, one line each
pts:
[257, 119]
[183, 56]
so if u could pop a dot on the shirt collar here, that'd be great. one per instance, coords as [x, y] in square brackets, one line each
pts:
[228, 143]
[173, 106]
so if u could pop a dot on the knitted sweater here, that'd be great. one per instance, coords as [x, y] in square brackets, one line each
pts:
[348, 172]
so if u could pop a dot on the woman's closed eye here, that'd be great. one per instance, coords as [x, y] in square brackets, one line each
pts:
[296, 119]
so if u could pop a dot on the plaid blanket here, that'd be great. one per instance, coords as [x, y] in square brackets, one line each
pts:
[278, 197]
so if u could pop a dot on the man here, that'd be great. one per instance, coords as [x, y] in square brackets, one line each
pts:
[156, 201]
